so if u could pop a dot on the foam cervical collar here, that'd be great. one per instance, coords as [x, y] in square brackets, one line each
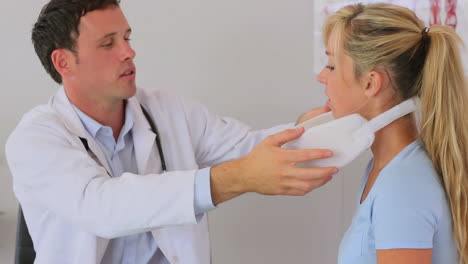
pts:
[347, 136]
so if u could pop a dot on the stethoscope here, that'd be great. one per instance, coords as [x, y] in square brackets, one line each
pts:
[155, 131]
[158, 138]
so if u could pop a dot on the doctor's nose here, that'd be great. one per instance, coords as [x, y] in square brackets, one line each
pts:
[321, 77]
[127, 52]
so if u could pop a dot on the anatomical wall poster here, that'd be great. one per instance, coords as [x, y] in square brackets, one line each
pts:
[452, 13]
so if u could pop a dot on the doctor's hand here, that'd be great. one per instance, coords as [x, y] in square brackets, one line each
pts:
[270, 170]
[312, 113]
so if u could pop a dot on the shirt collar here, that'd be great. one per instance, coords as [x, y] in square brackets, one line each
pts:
[93, 127]
[129, 121]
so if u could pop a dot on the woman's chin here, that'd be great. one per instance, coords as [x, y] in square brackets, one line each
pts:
[337, 114]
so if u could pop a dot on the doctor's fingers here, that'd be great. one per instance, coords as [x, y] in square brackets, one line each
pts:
[284, 136]
[301, 155]
[300, 188]
[311, 174]
[313, 113]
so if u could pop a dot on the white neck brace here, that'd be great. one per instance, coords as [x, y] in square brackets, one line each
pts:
[347, 136]
[394, 113]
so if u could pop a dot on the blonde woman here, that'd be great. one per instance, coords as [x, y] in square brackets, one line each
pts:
[413, 207]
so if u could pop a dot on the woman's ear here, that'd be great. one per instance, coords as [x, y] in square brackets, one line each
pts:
[376, 81]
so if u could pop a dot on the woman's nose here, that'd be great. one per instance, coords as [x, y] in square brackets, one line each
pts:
[321, 77]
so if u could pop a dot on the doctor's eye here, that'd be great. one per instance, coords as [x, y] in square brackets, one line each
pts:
[331, 68]
[108, 44]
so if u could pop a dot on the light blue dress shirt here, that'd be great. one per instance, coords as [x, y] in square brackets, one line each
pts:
[120, 155]
[406, 208]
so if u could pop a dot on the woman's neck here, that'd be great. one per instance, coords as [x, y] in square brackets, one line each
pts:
[392, 139]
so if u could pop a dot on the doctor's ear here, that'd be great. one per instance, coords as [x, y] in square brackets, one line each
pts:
[376, 81]
[63, 61]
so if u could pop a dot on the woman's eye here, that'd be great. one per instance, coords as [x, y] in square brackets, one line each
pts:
[331, 68]
[107, 44]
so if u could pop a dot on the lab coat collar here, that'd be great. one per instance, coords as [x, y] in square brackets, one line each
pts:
[63, 107]
[144, 138]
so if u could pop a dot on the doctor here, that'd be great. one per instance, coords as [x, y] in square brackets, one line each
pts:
[108, 173]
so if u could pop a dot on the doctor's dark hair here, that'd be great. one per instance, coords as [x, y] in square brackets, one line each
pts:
[423, 62]
[57, 28]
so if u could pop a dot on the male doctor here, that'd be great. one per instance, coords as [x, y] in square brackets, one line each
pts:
[108, 173]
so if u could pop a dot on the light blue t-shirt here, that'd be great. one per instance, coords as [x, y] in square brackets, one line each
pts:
[406, 208]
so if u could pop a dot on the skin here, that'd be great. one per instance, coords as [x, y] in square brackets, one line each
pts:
[92, 78]
[369, 96]
[343, 90]
[94, 82]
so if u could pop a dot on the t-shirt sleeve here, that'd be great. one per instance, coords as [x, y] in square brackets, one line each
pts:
[404, 216]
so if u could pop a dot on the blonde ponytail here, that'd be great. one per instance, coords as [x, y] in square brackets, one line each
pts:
[444, 100]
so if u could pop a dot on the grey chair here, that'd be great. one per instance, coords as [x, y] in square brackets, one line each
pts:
[24, 252]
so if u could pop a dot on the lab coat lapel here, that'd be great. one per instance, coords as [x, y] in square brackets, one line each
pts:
[143, 137]
[72, 122]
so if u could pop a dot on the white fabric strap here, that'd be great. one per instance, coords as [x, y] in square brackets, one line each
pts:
[392, 114]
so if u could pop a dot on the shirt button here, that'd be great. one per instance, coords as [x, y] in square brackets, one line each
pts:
[175, 260]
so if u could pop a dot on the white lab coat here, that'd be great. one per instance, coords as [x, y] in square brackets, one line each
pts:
[73, 207]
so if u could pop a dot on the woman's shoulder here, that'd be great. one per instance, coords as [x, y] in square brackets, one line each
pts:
[412, 166]
[411, 176]
[409, 205]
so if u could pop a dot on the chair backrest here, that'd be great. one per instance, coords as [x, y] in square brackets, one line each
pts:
[24, 253]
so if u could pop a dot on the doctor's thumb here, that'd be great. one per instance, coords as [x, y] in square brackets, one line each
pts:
[285, 136]
[312, 113]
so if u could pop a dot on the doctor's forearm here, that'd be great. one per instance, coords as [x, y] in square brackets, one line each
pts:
[270, 170]
[225, 184]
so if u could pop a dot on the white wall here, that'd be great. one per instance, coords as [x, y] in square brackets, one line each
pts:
[250, 59]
